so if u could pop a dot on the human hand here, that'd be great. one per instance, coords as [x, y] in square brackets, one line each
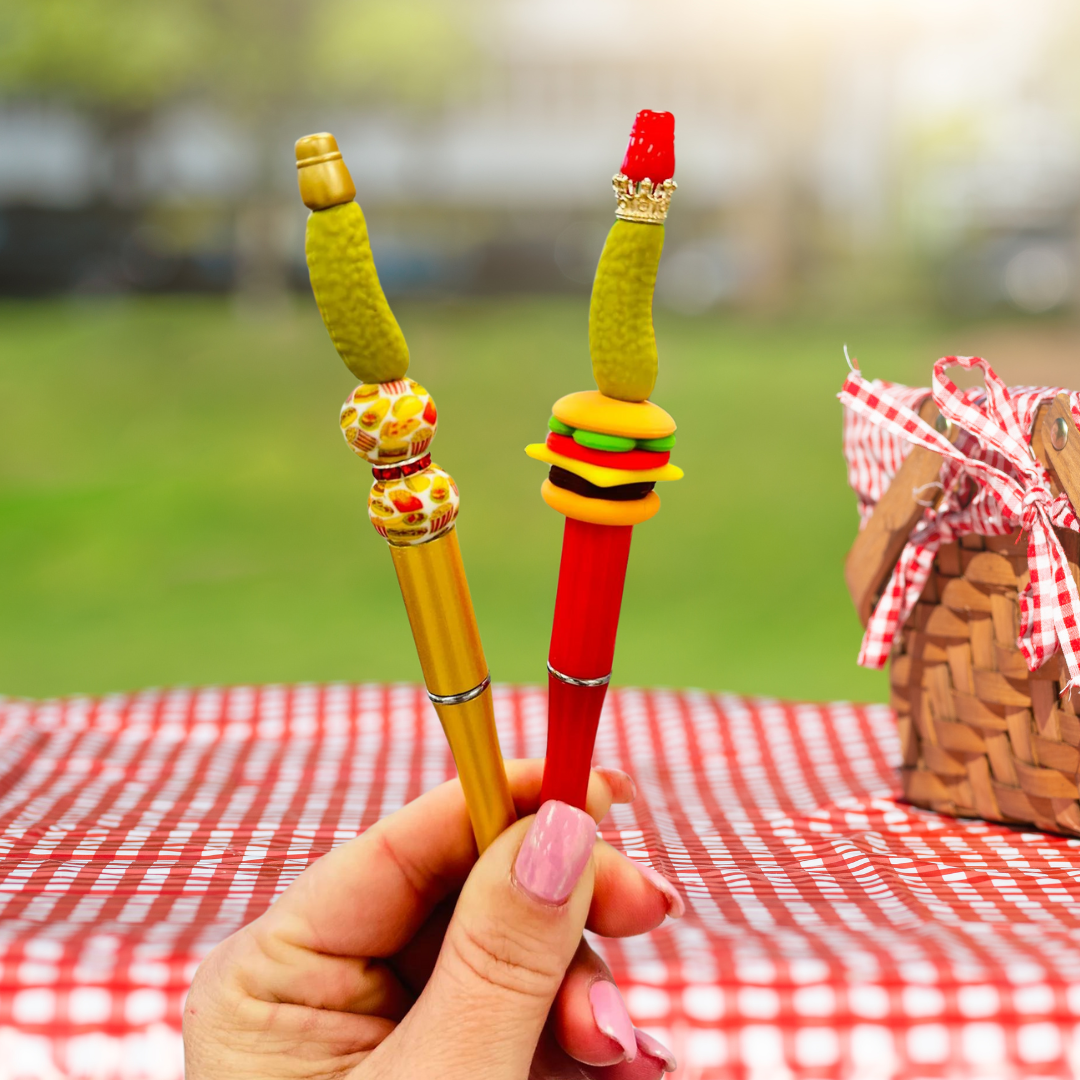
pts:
[368, 966]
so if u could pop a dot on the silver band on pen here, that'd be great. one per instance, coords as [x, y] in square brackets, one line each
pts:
[571, 681]
[465, 695]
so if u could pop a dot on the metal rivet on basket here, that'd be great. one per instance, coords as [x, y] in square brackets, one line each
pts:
[1059, 433]
[942, 425]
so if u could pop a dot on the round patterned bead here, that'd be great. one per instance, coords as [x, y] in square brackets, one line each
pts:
[414, 509]
[387, 423]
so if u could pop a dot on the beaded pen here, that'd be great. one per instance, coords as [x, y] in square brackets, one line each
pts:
[390, 421]
[606, 450]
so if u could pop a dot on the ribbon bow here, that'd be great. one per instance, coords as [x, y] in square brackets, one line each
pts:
[1012, 489]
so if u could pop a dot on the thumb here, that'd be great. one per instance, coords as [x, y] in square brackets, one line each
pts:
[515, 929]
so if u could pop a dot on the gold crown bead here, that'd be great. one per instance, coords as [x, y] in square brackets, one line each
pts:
[644, 202]
[324, 177]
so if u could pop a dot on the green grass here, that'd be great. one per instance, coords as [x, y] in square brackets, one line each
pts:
[177, 506]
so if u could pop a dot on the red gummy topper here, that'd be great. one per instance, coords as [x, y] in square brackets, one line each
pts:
[651, 152]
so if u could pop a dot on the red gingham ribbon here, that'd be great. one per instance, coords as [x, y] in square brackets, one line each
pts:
[992, 483]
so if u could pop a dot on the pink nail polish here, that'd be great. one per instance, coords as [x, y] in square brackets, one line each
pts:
[655, 1049]
[611, 1016]
[554, 852]
[676, 907]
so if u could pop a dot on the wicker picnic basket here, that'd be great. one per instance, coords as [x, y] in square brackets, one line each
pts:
[981, 736]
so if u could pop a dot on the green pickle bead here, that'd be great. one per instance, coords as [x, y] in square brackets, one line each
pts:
[596, 440]
[556, 425]
[666, 443]
[350, 298]
[622, 342]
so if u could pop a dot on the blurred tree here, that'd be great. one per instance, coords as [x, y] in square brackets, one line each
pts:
[121, 61]
[115, 59]
[406, 51]
[127, 56]
[118, 55]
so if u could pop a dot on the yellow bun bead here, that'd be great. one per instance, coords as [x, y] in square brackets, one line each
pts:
[599, 511]
[601, 475]
[350, 298]
[414, 509]
[622, 341]
[391, 422]
[594, 411]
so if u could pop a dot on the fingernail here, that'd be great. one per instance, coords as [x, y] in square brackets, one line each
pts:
[611, 1016]
[651, 1047]
[554, 852]
[676, 908]
[616, 778]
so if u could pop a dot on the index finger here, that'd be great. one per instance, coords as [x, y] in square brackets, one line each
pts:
[370, 896]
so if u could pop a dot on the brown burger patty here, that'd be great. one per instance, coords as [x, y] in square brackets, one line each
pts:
[619, 493]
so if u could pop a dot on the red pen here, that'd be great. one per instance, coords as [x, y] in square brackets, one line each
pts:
[607, 450]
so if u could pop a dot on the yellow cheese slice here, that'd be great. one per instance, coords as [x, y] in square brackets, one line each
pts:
[600, 475]
[594, 411]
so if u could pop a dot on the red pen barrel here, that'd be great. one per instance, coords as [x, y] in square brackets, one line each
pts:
[607, 450]
[592, 573]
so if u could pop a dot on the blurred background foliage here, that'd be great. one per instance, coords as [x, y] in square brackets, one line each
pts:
[123, 57]
[175, 506]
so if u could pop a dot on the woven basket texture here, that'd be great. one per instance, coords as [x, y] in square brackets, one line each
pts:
[981, 735]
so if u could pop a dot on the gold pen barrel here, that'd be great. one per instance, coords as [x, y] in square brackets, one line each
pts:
[436, 595]
[474, 742]
[440, 610]
[390, 421]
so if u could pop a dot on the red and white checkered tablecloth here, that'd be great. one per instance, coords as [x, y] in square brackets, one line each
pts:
[830, 930]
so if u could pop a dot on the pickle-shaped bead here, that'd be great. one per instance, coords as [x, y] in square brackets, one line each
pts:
[350, 298]
[622, 342]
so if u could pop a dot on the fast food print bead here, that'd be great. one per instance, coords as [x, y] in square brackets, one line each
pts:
[391, 422]
[414, 509]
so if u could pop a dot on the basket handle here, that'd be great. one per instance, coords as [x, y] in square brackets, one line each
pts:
[878, 545]
[1063, 463]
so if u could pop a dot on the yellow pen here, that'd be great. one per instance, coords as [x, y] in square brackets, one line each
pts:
[390, 421]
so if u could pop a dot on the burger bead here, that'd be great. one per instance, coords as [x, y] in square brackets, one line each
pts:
[569, 481]
[596, 449]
